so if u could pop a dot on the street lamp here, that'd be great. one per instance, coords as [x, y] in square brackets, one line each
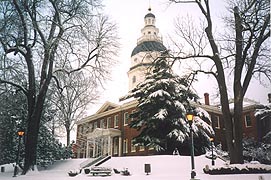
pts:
[190, 117]
[20, 133]
[212, 148]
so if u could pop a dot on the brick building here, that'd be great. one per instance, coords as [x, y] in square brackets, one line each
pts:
[252, 126]
[107, 132]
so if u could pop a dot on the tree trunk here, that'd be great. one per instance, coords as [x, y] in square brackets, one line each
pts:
[238, 92]
[238, 131]
[31, 144]
[35, 107]
[68, 136]
[226, 114]
[32, 134]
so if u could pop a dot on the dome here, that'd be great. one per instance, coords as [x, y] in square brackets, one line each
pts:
[149, 15]
[148, 46]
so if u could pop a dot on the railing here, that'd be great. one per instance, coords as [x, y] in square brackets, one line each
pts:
[94, 162]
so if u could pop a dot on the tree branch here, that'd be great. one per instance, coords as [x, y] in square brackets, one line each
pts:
[14, 85]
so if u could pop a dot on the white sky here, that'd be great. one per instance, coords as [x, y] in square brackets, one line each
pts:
[129, 16]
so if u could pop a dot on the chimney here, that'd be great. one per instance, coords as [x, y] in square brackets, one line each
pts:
[206, 99]
[269, 97]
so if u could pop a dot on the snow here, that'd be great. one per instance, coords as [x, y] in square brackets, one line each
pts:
[160, 93]
[163, 167]
[161, 114]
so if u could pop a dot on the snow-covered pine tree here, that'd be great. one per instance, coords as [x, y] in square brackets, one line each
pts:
[263, 113]
[163, 99]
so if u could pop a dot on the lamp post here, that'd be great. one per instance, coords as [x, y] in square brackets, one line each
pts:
[190, 117]
[20, 133]
[212, 149]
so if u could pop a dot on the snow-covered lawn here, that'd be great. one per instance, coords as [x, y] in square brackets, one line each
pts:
[162, 168]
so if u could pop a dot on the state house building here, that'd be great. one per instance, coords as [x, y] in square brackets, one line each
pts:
[107, 132]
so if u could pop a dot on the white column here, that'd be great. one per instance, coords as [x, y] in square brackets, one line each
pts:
[120, 145]
[87, 153]
[102, 146]
[109, 146]
[94, 147]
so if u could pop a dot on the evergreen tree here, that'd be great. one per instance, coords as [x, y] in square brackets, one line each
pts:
[12, 115]
[12, 118]
[161, 113]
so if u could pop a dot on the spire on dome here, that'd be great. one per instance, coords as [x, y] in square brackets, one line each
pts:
[149, 9]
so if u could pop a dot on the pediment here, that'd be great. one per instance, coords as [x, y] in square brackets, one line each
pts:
[106, 107]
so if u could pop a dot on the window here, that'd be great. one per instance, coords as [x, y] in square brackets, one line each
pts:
[90, 127]
[81, 129]
[126, 119]
[108, 123]
[125, 146]
[116, 121]
[133, 113]
[133, 147]
[102, 123]
[135, 60]
[95, 124]
[134, 79]
[116, 145]
[248, 122]
[216, 122]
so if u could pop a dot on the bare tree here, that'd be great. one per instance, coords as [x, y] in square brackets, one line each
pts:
[72, 100]
[33, 34]
[246, 51]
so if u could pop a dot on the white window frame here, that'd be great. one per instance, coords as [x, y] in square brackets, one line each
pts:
[133, 111]
[133, 147]
[116, 146]
[125, 146]
[108, 122]
[217, 126]
[125, 118]
[116, 121]
[95, 124]
[102, 123]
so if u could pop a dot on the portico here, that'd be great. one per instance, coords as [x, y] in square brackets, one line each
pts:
[100, 142]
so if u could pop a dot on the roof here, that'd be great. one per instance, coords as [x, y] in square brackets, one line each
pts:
[149, 15]
[148, 46]
[106, 109]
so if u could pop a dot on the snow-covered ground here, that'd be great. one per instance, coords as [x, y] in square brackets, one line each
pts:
[162, 168]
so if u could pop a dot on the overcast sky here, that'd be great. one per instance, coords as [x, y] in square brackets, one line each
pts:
[129, 17]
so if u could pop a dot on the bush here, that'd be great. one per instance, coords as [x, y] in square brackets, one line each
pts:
[257, 151]
[238, 169]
